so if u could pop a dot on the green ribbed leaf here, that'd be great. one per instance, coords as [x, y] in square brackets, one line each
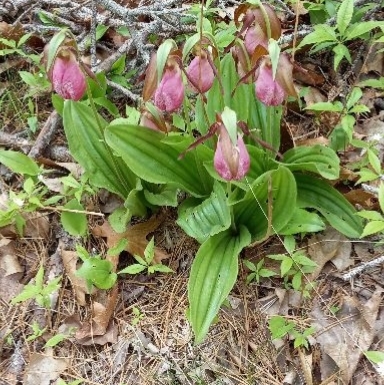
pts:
[213, 275]
[154, 157]
[206, 219]
[277, 188]
[88, 147]
[318, 159]
[303, 221]
[318, 194]
[19, 163]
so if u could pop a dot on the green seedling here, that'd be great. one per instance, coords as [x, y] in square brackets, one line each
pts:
[146, 263]
[293, 266]
[280, 328]
[38, 291]
[37, 332]
[60, 337]
[137, 316]
[96, 271]
[257, 271]
[375, 219]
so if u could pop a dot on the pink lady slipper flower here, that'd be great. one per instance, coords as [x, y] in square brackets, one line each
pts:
[231, 161]
[200, 73]
[270, 91]
[67, 77]
[169, 93]
[257, 29]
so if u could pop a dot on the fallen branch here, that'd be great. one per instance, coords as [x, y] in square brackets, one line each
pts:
[358, 269]
[46, 135]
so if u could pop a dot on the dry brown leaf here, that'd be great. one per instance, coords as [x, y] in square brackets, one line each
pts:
[363, 198]
[329, 246]
[374, 130]
[70, 259]
[9, 262]
[375, 62]
[322, 140]
[136, 236]
[36, 227]
[309, 76]
[10, 271]
[109, 336]
[313, 95]
[43, 368]
[342, 343]
[102, 309]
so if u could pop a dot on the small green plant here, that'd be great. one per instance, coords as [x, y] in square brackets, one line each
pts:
[17, 48]
[137, 316]
[38, 291]
[257, 271]
[60, 337]
[95, 270]
[146, 263]
[375, 219]
[293, 266]
[280, 327]
[99, 272]
[369, 166]
[37, 332]
[341, 135]
[348, 27]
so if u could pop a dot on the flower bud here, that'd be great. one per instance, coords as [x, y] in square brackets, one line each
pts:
[231, 161]
[268, 90]
[169, 94]
[67, 77]
[200, 74]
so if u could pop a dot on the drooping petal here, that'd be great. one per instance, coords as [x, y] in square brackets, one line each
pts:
[67, 77]
[201, 74]
[268, 90]
[284, 74]
[169, 94]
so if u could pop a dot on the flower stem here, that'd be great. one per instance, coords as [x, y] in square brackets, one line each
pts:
[229, 193]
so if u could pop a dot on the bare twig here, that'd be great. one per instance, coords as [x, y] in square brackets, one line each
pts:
[358, 269]
[14, 142]
[124, 91]
[45, 135]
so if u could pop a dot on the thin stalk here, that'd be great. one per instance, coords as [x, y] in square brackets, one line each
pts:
[229, 193]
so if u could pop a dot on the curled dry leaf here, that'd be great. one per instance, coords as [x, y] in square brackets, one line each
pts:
[329, 246]
[102, 310]
[43, 368]
[10, 270]
[342, 343]
[70, 259]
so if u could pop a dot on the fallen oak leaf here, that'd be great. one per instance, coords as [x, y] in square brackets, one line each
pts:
[136, 236]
